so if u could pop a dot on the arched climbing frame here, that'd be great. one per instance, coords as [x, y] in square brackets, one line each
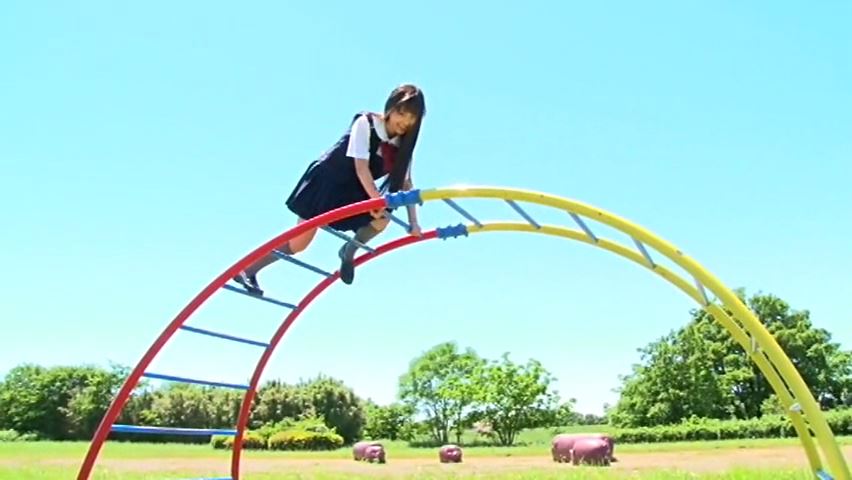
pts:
[821, 449]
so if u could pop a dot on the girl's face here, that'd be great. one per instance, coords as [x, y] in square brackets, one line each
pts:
[399, 122]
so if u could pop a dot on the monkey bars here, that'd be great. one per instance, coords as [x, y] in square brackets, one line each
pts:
[821, 449]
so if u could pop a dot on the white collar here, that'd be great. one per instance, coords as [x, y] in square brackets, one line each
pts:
[379, 124]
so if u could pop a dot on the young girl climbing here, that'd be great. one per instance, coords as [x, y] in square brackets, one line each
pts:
[375, 146]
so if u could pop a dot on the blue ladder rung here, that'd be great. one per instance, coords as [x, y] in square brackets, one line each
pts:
[223, 336]
[641, 247]
[462, 211]
[295, 261]
[823, 475]
[582, 225]
[173, 378]
[522, 213]
[172, 430]
[265, 299]
[701, 290]
[400, 222]
[348, 239]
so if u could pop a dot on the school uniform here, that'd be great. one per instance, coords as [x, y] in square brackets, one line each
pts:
[331, 181]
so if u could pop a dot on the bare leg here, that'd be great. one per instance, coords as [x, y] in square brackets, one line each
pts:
[248, 277]
[347, 252]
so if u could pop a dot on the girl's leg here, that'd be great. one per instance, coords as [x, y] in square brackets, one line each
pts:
[248, 277]
[363, 235]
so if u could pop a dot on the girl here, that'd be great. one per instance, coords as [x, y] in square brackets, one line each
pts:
[376, 146]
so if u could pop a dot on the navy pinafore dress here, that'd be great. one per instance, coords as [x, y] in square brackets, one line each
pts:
[331, 182]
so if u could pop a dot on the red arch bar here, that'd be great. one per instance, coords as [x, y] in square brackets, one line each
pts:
[245, 410]
[132, 379]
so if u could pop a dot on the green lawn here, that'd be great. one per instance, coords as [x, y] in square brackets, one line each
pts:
[126, 461]
[568, 473]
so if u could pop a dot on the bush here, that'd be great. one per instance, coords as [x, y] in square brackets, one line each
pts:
[251, 441]
[13, 436]
[221, 442]
[768, 426]
[840, 421]
[304, 440]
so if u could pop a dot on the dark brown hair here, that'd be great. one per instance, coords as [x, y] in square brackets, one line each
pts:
[405, 98]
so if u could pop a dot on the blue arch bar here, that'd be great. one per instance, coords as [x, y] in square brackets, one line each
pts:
[118, 428]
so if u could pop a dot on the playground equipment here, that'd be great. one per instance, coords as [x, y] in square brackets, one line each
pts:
[823, 452]
[369, 452]
[450, 453]
[562, 445]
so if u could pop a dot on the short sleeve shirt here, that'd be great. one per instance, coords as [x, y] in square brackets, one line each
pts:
[359, 137]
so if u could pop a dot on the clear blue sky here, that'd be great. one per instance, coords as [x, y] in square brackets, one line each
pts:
[146, 148]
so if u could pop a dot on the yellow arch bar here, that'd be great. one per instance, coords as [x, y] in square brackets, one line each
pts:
[743, 325]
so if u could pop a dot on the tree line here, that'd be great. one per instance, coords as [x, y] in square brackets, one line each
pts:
[697, 371]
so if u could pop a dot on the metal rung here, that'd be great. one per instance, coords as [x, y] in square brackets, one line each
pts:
[172, 378]
[753, 344]
[522, 213]
[258, 297]
[211, 333]
[645, 253]
[823, 475]
[703, 292]
[462, 212]
[401, 223]
[583, 226]
[797, 408]
[295, 261]
[171, 430]
[348, 239]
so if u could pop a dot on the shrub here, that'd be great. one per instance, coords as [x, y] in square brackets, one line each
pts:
[768, 426]
[251, 441]
[13, 436]
[221, 442]
[305, 440]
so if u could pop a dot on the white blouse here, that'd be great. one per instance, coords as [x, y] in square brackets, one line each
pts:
[359, 137]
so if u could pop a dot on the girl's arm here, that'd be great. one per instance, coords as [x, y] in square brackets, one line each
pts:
[359, 150]
[412, 209]
[362, 169]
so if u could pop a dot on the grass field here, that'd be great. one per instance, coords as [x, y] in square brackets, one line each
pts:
[764, 459]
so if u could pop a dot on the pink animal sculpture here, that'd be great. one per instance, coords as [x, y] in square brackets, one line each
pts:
[590, 451]
[450, 454]
[369, 451]
[563, 443]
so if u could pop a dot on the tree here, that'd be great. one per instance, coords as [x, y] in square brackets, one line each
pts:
[389, 422]
[512, 397]
[276, 401]
[440, 385]
[61, 403]
[337, 405]
[700, 370]
[564, 413]
[324, 397]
